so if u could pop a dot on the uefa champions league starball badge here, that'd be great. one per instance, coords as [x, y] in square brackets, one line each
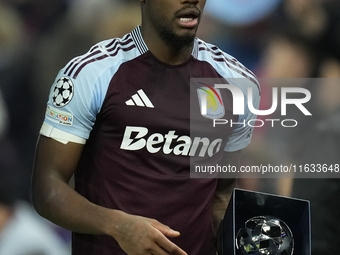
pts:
[62, 92]
[265, 235]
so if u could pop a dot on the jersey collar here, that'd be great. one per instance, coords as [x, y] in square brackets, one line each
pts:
[139, 41]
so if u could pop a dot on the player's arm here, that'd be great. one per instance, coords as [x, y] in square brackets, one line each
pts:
[55, 200]
[224, 188]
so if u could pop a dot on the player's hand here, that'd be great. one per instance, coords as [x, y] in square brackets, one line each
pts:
[143, 236]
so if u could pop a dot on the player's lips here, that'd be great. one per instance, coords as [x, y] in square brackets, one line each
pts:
[188, 18]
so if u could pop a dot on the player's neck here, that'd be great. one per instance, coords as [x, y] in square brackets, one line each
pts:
[164, 52]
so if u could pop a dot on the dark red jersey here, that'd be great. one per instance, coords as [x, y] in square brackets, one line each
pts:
[143, 130]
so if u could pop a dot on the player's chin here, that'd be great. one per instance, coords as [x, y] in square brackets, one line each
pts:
[189, 34]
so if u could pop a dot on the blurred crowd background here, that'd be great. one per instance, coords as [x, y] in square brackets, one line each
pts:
[274, 38]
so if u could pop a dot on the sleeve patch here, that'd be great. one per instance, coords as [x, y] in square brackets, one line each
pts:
[62, 92]
[58, 116]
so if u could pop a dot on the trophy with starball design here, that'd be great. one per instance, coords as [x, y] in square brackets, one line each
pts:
[264, 224]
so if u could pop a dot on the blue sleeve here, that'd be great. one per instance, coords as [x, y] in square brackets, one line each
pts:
[73, 104]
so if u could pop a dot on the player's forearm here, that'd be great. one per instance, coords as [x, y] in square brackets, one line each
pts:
[55, 200]
[221, 199]
[220, 204]
[224, 188]
[59, 203]
[134, 234]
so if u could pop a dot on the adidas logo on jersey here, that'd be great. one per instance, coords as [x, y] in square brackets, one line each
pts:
[135, 138]
[140, 99]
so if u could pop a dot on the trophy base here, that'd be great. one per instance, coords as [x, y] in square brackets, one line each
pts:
[245, 205]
